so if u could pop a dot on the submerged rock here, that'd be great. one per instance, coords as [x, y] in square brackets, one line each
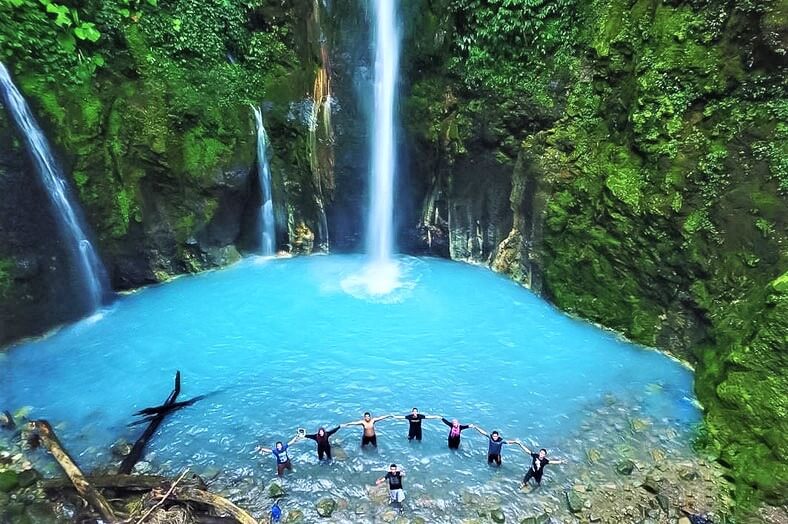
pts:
[9, 480]
[651, 484]
[276, 491]
[28, 477]
[537, 519]
[575, 501]
[295, 516]
[120, 448]
[498, 516]
[326, 506]
[625, 467]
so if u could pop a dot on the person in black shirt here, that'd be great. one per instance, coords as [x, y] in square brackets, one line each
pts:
[455, 429]
[495, 446]
[414, 423]
[396, 493]
[323, 445]
[538, 462]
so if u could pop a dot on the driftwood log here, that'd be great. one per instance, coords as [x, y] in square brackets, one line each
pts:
[136, 451]
[50, 441]
[215, 501]
[115, 482]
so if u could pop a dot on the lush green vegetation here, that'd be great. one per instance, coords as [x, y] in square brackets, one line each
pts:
[148, 97]
[659, 131]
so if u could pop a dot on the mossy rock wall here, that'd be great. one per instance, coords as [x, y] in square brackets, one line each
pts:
[644, 143]
[153, 127]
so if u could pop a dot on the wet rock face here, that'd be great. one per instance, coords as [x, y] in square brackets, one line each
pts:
[479, 216]
[36, 282]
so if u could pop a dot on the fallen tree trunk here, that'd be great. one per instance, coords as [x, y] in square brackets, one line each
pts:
[115, 482]
[215, 501]
[50, 441]
[164, 408]
[136, 451]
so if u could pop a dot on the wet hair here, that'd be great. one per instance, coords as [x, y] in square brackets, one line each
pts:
[367, 414]
[545, 451]
[393, 466]
[495, 433]
[415, 409]
[321, 429]
[278, 443]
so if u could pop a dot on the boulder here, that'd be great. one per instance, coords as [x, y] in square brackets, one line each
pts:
[497, 515]
[28, 477]
[651, 484]
[663, 501]
[9, 480]
[325, 507]
[575, 501]
[295, 516]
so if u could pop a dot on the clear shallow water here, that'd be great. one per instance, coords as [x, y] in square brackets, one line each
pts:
[288, 343]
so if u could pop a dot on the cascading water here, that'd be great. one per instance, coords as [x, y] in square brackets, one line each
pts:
[382, 276]
[380, 235]
[89, 266]
[267, 228]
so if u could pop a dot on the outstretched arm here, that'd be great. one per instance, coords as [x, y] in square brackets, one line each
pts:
[293, 440]
[433, 417]
[354, 423]
[329, 433]
[261, 449]
[443, 419]
[384, 417]
[557, 461]
[480, 430]
[523, 446]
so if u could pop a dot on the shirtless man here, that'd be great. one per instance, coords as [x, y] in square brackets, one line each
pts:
[368, 423]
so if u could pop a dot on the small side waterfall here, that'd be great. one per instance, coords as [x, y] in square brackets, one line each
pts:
[267, 226]
[87, 262]
[380, 229]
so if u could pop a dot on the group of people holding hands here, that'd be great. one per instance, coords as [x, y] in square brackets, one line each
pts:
[394, 476]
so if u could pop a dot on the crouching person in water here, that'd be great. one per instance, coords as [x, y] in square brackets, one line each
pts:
[396, 493]
[280, 452]
[323, 444]
[538, 462]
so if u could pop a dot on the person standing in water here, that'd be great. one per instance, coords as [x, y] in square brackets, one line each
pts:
[538, 462]
[280, 452]
[495, 446]
[455, 430]
[414, 423]
[396, 493]
[323, 444]
[368, 423]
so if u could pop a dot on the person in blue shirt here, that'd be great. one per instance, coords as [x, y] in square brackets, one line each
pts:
[495, 446]
[280, 452]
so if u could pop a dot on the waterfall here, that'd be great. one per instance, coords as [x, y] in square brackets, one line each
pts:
[267, 229]
[90, 269]
[380, 229]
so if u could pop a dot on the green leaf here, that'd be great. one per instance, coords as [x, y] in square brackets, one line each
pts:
[67, 42]
[87, 31]
[154, 3]
[124, 12]
[63, 19]
[16, 3]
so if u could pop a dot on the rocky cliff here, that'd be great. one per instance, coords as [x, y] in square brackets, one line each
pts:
[642, 146]
[625, 158]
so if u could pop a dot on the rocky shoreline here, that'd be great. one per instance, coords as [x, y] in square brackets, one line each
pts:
[626, 469]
